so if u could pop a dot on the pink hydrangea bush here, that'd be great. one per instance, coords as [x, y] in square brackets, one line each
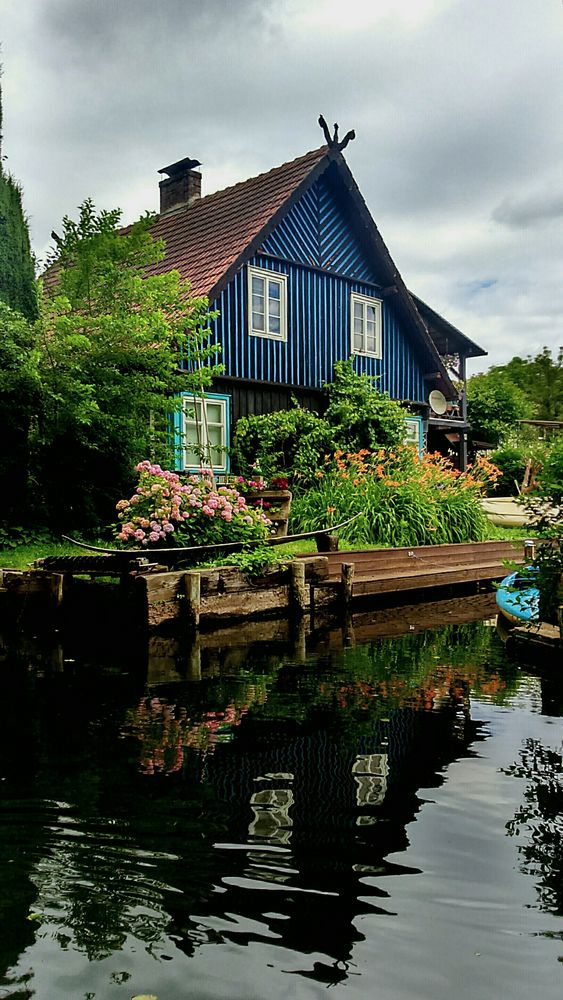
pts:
[166, 510]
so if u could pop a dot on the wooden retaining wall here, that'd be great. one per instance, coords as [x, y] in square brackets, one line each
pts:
[152, 595]
[224, 593]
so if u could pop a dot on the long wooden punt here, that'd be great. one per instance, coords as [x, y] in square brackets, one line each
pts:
[180, 555]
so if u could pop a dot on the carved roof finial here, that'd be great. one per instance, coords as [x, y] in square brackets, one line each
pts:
[332, 140]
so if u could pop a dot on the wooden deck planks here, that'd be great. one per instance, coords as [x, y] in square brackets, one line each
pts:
[387, 571]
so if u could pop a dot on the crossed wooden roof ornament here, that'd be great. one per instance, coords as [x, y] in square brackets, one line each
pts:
[332, 140]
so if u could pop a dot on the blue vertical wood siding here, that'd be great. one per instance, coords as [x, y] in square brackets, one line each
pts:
[315, 234]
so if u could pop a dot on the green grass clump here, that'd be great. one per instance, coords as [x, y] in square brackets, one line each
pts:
[401, 500]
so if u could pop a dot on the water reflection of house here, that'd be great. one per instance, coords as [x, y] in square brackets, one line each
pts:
[319, 811]
[370, 775]
[271, 819]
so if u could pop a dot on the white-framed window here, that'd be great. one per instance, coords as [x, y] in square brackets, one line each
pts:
[204, 432]
[365, 325]
[267, 304]
[415, 433]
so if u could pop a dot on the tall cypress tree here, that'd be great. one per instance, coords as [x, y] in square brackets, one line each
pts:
[17, 279]
[19, 383]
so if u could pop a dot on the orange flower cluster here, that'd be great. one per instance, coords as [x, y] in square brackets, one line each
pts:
[404, 464]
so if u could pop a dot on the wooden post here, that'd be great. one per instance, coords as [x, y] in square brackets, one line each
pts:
[55, 583]
[298, 592]
[463, 434]
[529, 550]
[348, 634]
[192, 591]
[327, 542]
[347, 579]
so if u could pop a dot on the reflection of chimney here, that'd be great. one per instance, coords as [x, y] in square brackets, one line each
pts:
[181, 187]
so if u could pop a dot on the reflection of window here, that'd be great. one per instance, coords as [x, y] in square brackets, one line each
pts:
[204, 432]
[267, 293]
[366, 325]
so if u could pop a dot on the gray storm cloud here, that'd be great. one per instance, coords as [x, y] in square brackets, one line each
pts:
[456, 115]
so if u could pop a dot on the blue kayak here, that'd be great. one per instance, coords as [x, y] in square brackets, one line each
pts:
[518, 597]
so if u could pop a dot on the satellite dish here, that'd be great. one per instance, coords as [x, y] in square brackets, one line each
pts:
[438, 402]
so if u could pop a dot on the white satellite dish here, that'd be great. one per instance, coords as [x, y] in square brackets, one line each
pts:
[438, 402]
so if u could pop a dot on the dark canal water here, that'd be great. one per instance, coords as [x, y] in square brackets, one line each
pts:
[381, 817]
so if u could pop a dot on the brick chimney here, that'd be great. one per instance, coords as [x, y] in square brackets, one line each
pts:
[182, 186]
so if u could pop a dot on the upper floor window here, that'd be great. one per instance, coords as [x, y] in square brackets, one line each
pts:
[365, 321]
[267, 293]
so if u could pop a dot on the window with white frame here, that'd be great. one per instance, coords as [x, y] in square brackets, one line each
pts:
[204, 432]
[415, 433]
[267, 296]
[365, 324]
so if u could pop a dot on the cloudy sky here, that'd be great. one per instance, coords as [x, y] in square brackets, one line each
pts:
[457, 107]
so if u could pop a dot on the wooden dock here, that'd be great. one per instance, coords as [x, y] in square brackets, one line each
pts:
[149, 595]
[388, 571]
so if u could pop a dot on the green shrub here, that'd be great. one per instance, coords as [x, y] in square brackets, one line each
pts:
[360, 416]
[291, 441]
[296, 441]
[511, 463]
[550, 479]
[401, 499]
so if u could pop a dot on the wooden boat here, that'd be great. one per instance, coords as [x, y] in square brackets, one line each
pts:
[185, 554]
[509, 512]
[518, 596]
[505, 511]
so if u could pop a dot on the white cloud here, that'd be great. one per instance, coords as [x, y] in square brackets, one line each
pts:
[456, 106]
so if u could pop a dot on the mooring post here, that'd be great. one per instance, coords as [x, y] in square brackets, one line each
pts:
[55, 583]
[192, 591]
[298, 596]
[327, 542]
[529, 550]
[347, 579]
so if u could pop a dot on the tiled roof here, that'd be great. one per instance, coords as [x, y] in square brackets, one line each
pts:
[206, 239]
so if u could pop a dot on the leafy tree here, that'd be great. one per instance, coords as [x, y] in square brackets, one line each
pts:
[495, 404]
[19, 397]
[110, 342]
[550, 478]
[17, 279]
[360, 415]
[296, 441]
[541, 379]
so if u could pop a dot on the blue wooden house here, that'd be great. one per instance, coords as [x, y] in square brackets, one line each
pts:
[301, 277]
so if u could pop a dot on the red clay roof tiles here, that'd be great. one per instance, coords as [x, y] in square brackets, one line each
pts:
[206, 239]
